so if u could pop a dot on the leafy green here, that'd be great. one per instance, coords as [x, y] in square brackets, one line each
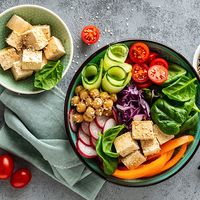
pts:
[49, 76]
[108, 139]
[181, 90]
[109, 163]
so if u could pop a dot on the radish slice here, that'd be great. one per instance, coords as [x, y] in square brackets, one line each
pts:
[94, 130]
[115, 115]
[109, 124]
[138, 117]
[83, 137]
[85, 151]
[93, 142]
[85, 127]
[72, 124]
[101, 120]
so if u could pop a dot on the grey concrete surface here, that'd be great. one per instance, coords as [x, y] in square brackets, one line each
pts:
[175, 23]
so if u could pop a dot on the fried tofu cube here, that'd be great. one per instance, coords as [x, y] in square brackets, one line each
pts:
[7, 57]
[34, 39]
[54, 50]
[142, 130]
[44, 62]
[19, 73]
[45, 29]
[15, 40]
[161, 137]
[150, 147]
[18, 24]
[133, 160]
[31, 60]
[124, 144]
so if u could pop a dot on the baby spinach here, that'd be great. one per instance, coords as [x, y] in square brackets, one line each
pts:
[181, 90]
[49, 76]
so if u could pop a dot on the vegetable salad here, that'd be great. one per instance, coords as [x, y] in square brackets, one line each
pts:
[133, 110]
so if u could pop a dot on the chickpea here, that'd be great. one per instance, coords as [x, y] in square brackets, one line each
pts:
[78, 89]
[75, 100]
[88, 101]
[99, 111]
[113, 97]
[107, 105]
[87, 118]
[107, 113]
[81, 107]
[97, 103]
[94, 93]
[104, 95]
[90, 112]
[83, 94]
[78, 118]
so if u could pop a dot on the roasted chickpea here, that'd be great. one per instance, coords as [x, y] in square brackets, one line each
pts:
[87, 118]
[113, 97]
[88, 101]
[94, 93]
[84, 94]
[107, 113]
[97, 103]
[104, 95]
[107, 105]
[90, 112]
[81, 107]
[77, 118]
[78, 89]
[75, 100]
[99, 111]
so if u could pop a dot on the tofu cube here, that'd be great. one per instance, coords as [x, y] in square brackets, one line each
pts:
[124, 144]
[34, 39]
[18, 24]
[54, 50]
[15, 40]
[45, 29]
[142, 130]
[19, 73]
[44, 62]
[7, 57]
[31, 60]
[133, 160]
[161, 137]
[150, 147]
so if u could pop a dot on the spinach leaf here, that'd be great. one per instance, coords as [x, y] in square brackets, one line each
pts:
[49, 76]
[109, 164]
[108, 139]
[181, 90]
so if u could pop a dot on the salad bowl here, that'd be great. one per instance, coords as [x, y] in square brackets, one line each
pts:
[93, 164]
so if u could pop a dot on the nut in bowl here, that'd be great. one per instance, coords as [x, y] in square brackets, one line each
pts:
[33, 42]
[135, 139]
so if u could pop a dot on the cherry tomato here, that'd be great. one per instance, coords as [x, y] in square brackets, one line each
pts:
[90, 34]
[159, 61]
[20, 178]
[158, 74]
[129, 61]
[140, 73]
[6, 166]
[152, 56]
[139, 52]
[144, 85]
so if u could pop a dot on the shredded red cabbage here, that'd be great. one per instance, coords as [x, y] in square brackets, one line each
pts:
[131, 104]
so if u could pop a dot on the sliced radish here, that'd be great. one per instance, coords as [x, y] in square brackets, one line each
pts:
[85, 127]
[115, 115]
[93, 142]
[138, 117]
[101, 120]
[72, 124]
[109, 124]
[94, 130]
[85, 151]
[83, 137]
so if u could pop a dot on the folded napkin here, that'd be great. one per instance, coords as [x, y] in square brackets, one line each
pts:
[33, 129]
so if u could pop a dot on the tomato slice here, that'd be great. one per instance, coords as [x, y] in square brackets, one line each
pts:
[144, 85]
[152, 56]
[140, 73]
[158, 74]
[90, 34]
[159, 61]
[139, 52]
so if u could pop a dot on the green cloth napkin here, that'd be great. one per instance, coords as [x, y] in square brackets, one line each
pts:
[33, 129]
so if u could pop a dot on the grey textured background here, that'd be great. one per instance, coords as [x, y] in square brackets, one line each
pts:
[174, 23]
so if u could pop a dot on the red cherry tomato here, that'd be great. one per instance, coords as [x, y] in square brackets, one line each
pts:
[144, 85]
[140, 73]
[152, 56]
[159, 61]
[158, 74]
[90, 34]
[6, 166]
[139, 52]
[20, 178]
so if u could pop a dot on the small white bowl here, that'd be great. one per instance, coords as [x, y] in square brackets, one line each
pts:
[196, 60]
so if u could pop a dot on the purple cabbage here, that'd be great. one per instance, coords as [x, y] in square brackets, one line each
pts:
[131, 105]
